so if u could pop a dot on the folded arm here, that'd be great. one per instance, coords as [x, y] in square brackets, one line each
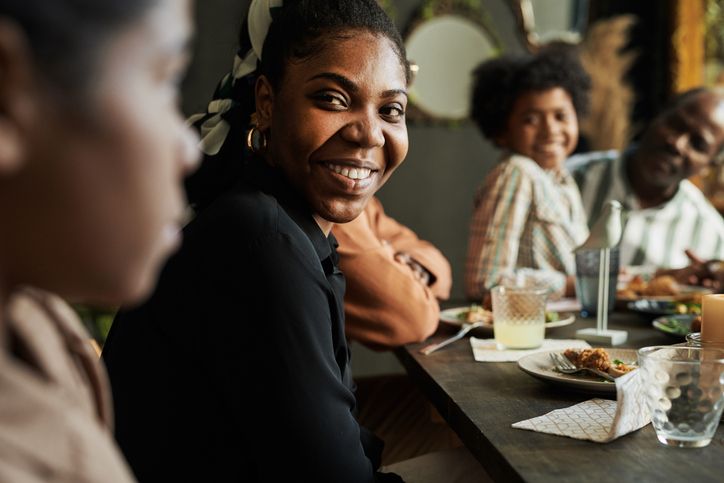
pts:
[388, 303]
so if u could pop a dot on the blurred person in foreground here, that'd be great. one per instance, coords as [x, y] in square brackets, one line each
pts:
[92, 153]
[528, 216]
[666, 215]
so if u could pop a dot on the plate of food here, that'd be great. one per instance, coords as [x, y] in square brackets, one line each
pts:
[665, 307]
[677, 325]
[475, 313]
[615, 362]
[663, 288]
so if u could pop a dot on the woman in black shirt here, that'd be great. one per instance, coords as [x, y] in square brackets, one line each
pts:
[237, 368]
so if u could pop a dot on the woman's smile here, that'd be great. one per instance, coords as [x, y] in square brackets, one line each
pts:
[354, 179]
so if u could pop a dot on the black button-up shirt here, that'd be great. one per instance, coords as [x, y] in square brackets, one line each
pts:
[237, 368]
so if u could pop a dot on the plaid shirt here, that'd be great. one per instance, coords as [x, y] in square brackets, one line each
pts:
[653, 236]
[526, 222]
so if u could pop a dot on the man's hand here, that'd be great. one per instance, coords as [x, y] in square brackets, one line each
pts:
[420, 272]
[708, 274]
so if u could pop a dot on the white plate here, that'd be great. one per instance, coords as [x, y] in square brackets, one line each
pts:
[540, 365]
[677, 325]
[450, 316]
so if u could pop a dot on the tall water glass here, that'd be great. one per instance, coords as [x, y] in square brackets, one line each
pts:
[519, 317]
[684, 392]
[587, 271]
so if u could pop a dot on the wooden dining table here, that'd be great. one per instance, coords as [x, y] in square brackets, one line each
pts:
[481, 400]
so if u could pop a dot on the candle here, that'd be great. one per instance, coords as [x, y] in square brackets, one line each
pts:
[712, 318]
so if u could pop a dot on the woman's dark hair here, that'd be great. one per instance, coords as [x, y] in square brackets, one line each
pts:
[304, 27]
[497, 84]
[67, 36]
[300, 30]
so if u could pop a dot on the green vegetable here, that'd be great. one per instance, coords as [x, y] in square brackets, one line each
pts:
[552, 316]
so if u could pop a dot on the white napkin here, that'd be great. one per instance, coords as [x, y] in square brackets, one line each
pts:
[598, 420]
[485, 350]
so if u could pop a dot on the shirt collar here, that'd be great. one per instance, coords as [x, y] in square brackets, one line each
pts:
[559, 175]
[620, 185]
[272, 181]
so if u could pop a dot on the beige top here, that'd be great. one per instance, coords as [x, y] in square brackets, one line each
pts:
[55, 405]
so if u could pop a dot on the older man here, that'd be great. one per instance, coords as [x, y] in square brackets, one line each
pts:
[665, 213]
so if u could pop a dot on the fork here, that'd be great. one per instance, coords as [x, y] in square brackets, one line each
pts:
[564, 365]
[427, 350]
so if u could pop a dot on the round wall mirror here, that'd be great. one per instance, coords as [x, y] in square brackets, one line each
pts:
[445, 44]
[543, 21]
[446, 49]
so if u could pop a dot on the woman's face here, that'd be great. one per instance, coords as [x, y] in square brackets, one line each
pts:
[97, 202]
[542, 126]
[336, 125]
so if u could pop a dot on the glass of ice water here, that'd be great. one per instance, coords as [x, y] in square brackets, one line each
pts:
[684, 392]
[519, 317]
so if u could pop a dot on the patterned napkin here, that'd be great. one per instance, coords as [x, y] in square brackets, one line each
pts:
[598, 420]
[485, 350]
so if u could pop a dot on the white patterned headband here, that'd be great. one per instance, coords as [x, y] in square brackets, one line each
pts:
[215, 127]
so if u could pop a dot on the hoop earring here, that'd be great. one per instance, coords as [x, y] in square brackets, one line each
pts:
[256, 140]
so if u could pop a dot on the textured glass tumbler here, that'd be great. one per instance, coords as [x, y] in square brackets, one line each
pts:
[587, 269]
[519, 317]
[684, 392]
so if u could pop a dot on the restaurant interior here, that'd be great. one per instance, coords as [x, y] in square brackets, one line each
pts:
[643, 53]
[364, 241]
[639, 54]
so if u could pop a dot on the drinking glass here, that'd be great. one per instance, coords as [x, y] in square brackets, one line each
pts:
[683, 388]
[519, 317]
[587, 269]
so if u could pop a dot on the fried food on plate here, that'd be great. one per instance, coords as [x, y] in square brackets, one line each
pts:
[598, 358]
[475, 313]
[662, 285]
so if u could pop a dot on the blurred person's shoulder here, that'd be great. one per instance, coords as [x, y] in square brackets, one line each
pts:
[582, 162]
[696, 197]
[55, 399]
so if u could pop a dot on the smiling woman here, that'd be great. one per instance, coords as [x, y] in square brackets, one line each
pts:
[304, 130]
[341, 139]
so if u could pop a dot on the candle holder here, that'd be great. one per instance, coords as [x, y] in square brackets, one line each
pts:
[694, 339]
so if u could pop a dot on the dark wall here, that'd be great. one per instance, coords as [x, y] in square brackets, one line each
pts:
[432, 191]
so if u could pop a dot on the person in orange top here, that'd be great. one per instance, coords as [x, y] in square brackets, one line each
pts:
[394, 280]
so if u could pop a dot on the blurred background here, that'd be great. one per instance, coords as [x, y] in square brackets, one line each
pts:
[638, 52]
